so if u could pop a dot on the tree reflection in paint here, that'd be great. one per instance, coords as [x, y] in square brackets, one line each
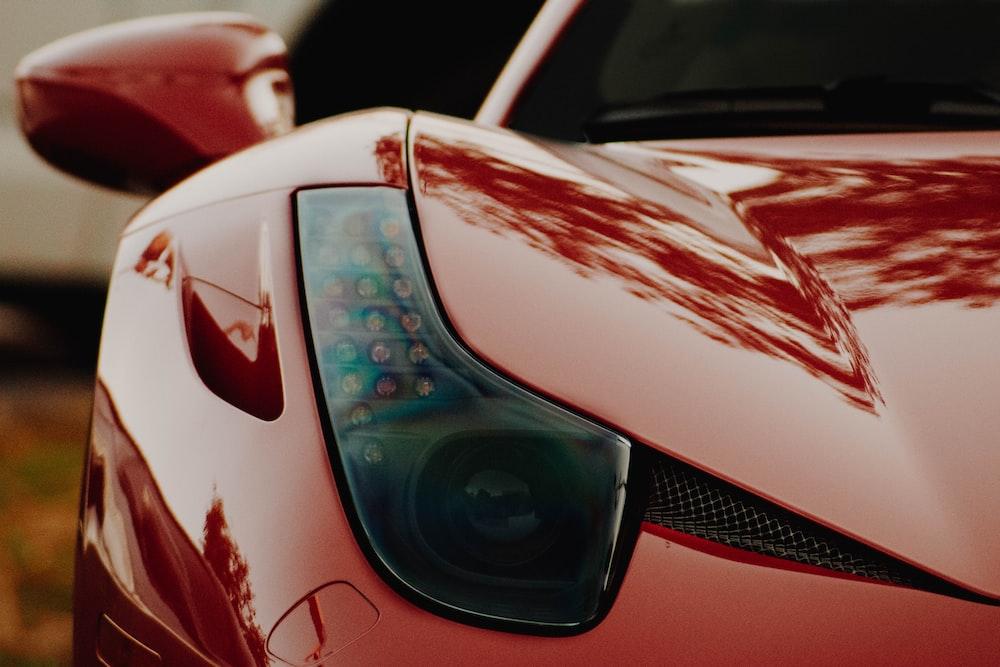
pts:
[229, 566]
[776, 304]
[202, 595]
[888, 232]
[389, 158]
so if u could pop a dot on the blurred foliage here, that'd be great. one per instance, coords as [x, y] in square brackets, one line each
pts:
[43, 427]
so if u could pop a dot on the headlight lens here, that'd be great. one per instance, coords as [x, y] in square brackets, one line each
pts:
[474, 496]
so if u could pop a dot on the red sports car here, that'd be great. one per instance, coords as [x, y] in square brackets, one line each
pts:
[685, 351]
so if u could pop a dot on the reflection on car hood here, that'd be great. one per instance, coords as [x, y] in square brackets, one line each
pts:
[813, 318]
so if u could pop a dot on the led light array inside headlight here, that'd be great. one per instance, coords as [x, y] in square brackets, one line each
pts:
[474, 496]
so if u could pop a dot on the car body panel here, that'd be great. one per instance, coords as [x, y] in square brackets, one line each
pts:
[203, 525]
[708, 298]
[155, 408]
[677, 603]
[813, 319]
[296, 160]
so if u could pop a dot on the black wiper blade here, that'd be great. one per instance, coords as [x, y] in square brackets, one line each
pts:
[743, 100]
[880, 95]
[872, 104]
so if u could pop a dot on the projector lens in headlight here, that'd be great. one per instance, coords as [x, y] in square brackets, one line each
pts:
[474, 496]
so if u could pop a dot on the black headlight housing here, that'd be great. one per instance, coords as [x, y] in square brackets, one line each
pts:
[472, 496]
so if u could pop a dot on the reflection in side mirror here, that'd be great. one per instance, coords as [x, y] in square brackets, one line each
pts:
[142, 104]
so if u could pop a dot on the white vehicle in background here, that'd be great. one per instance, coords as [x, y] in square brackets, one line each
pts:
[53, 275]
[58, 235]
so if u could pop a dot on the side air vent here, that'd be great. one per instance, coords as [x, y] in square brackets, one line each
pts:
[684, 499]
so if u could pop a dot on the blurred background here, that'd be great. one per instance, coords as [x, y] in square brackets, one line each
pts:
[58, 238]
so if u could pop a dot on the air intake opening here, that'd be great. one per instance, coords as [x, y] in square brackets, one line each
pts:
[687, 500]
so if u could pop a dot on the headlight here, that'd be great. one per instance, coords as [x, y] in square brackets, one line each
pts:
[472, 496]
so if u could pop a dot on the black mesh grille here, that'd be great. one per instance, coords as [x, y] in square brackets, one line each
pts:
[687, 500]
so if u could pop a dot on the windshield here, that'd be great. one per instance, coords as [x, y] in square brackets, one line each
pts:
[645, 55]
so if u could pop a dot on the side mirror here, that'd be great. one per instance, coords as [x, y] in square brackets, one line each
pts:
[142, 104]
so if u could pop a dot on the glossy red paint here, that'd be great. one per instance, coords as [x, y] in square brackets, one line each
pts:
[129, 523]
[230, 337]
[117, 647]
[166, 415]
[813, 319]
[233, 347]
[188, 88]
[262, 556]
[322, 624]
[302, 159]
[676, 602]
[203, 526]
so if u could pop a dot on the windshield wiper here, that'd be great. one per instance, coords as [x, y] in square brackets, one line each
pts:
[872, 104]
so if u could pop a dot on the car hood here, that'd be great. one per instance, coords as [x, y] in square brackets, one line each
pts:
[815, 319]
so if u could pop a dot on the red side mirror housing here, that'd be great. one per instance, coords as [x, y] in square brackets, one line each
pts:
[142, 104]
